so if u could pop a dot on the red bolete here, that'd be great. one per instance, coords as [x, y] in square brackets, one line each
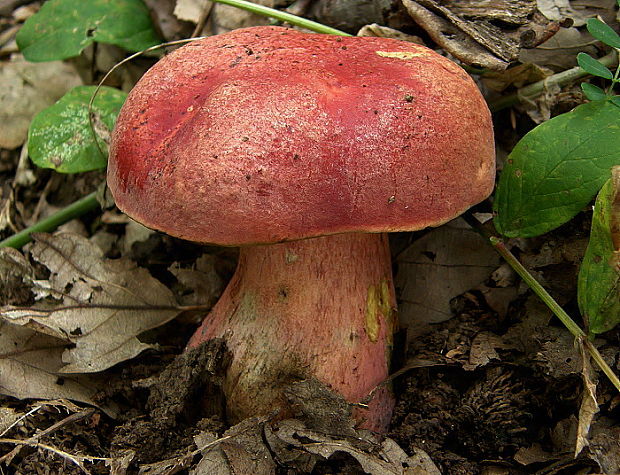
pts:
[305, 150]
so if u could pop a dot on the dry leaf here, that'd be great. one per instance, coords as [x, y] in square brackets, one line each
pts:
[320, 408]
[517, 76]
[105, 304]
[560, 51]
[190, 10]
[120, 464]
[439, 266]
[533, 454]
[28, 88]
[482, 350]
[240, 450]
[558, 356]
[577, 10]
[225, 18]
[555, 9]
[29, 364]
[589, 406]
[605, 444]
[375, 457]
[8, 417]
[134, 232]
[203, 280]
[16, 277]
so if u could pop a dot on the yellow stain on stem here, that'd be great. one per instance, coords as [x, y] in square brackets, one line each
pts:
[378, 303]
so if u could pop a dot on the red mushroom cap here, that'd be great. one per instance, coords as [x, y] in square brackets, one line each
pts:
[267, 134]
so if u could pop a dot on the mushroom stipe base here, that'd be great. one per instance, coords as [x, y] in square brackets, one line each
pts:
[321, 307]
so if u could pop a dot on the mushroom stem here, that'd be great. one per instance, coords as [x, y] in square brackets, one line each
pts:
[321, 307]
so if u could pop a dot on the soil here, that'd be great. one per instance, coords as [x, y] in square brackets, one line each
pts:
[470, 418]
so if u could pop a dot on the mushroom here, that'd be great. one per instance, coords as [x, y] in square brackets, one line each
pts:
[304, 150]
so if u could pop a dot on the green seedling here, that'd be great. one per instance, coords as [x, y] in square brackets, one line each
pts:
[607, 35]
[558, 168]
[63, 28]
[61, 137]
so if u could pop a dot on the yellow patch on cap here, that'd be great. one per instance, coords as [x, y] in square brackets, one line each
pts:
[399, 54]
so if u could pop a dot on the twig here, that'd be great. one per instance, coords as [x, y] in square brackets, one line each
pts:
[7, 6]
[283, 16]
[541, 292]
[202, 20]
[74, 210]
[535, 89]
[76, 459]
[31, 411]
[35, 438]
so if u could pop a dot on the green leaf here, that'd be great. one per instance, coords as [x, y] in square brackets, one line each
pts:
[593, 66]
[556, 169]
[603, 32]
[63, 28]
[599, 276]
[592, 92]
[60, 137]
[616, 99]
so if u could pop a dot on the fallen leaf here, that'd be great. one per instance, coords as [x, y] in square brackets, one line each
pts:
[577, 10]
[105, 303]
[442, 264]
[560, 51]
[517, 76]
[240, 450]
[559, 357]
[171, 28]
[190, 10]
[533, 454]
[589, 405]
[120, 464]
[203, 281]
[29, 366]
[134, 232]
[16, 276]
[8, 416]
[482, 350]
[605, 445]
[28, 88]
[555, 9]
[225, 18]
[374, 456]
[320, 408]
[563, 435]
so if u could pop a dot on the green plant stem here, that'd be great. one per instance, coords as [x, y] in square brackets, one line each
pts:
[561, 79]
[541, 292]
[283, 16]
[74, 210]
